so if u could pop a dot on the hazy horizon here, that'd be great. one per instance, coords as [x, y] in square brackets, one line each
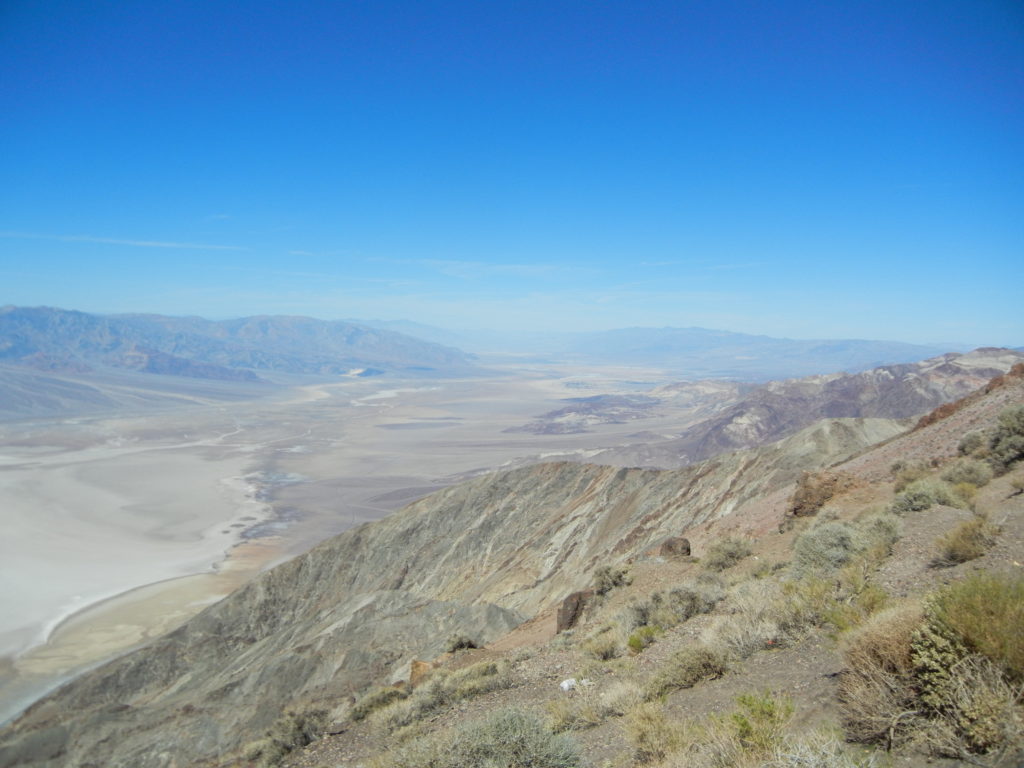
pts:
[797, 170]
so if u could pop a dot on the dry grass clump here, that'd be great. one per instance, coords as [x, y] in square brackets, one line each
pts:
[604, 645]
[507, 737]
[587, 706]
[725, 553]
[877, 689]
[966, 541]
[375, 699]
[293, 730]
[651, 734]
[441, 689]
[685, 668]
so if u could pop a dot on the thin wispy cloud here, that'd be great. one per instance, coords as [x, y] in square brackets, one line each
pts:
[121, 241]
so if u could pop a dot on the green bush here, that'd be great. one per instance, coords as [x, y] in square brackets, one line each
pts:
[505, 738]
[685, 668]
[725, 553]
[641, 638]
[967, 470]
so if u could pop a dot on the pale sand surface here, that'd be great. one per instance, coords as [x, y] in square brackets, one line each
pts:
[94, 509]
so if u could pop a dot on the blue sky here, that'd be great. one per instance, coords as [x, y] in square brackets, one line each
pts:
[803, 169]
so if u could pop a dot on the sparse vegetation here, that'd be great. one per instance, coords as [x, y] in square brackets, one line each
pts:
[507, 737]
[603, 646]
[441, 689]
[725, 553]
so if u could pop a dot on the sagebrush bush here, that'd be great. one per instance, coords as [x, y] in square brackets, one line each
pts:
[923, 494]
[508, 737]
[968, 470]
[685, 668]
[967, 540]
[1007, 444]
[826, 547]
[972, 443]
[725, 553]
[904, 474]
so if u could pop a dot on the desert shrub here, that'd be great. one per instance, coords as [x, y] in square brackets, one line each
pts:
[826, 547]
[968, 540]
[641, 638]
[906, 473]
[1007, 444]
[607, 578]
[877, 688]
[374, 700]
[460, 642]
[985, 612]
[749, 736]
[968, 470]
[818, 749]
[482, 677]
[652, 736]
[725, 553]
[293, 730]
[881, 530]
[922, 494]
[972, 443]
[508, 737]
[603, 647]
[685, 668]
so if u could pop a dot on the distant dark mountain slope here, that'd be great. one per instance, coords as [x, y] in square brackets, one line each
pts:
[76, 342]
[781, 408]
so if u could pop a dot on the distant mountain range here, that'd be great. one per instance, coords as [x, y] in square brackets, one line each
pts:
[69, 342]
[688, 352]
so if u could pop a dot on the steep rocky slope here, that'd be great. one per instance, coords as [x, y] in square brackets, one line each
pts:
[475, 559]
